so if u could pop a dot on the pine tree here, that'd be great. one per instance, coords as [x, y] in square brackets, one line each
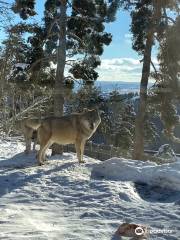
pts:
[166, 92]
[117, 126]
[63, 37]
[13, 51]
[83, 33]
[149, 20]
[149, 17]
[20, 90]
[122, 118]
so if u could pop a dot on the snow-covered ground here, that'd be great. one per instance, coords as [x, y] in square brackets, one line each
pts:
[66, 201]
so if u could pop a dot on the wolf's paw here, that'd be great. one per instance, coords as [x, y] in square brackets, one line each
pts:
[82, 162]
[46, 159]
[41, 163]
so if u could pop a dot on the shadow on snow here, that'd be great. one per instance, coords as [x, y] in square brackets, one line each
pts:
[13, 175]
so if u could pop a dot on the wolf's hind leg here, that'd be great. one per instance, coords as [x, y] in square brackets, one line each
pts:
[79, 145]
[45, 148]
[34, 145]
[42, 152]
[34, 136]
[28, 137]
[44, 141]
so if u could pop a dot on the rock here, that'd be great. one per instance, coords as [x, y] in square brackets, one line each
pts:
[166, 152]
[132, 230]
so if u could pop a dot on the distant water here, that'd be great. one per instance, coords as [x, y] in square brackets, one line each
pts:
[123, 87]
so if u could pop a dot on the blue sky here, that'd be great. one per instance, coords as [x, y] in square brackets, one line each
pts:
[121, 44]
[119, 61]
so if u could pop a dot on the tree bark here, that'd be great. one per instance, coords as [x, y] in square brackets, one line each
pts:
[140, 119]
[141, 115]
[61, 60]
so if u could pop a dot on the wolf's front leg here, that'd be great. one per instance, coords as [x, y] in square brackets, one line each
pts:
[82, 150]
[77, 146]
[78, 150]
[39, 157]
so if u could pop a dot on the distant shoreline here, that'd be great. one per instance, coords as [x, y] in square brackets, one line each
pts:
[124, 87]
[120, 86]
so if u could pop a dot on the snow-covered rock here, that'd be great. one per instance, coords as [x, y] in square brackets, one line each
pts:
[164, 176]
[167, 153]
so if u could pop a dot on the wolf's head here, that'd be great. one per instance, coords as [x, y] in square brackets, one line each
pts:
[93, 117]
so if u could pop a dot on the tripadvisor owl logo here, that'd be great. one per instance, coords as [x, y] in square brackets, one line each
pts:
[139, 231]
[142, 231]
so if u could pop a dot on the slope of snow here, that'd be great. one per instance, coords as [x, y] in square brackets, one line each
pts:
[165, 176]
[66, 201]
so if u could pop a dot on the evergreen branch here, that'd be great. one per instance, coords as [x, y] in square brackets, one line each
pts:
[39, 61]
[74, 8]
[51, 26]
[73, 79]
[76, 37]
[169, 132]
[49, 32]
[50, 35]
[87, 18]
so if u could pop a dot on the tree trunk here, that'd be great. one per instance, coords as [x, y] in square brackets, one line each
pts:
[140, 119]
[61, 60]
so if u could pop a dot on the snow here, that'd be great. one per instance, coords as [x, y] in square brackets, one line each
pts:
[166, 152]
[164, 176]
[66, 201]
[23, 66]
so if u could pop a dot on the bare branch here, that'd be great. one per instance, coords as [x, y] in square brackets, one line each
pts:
[167, 17]
[154, 67]
[9, 124]
[70, 60]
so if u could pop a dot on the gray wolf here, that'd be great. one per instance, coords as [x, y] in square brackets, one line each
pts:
[75, 129]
